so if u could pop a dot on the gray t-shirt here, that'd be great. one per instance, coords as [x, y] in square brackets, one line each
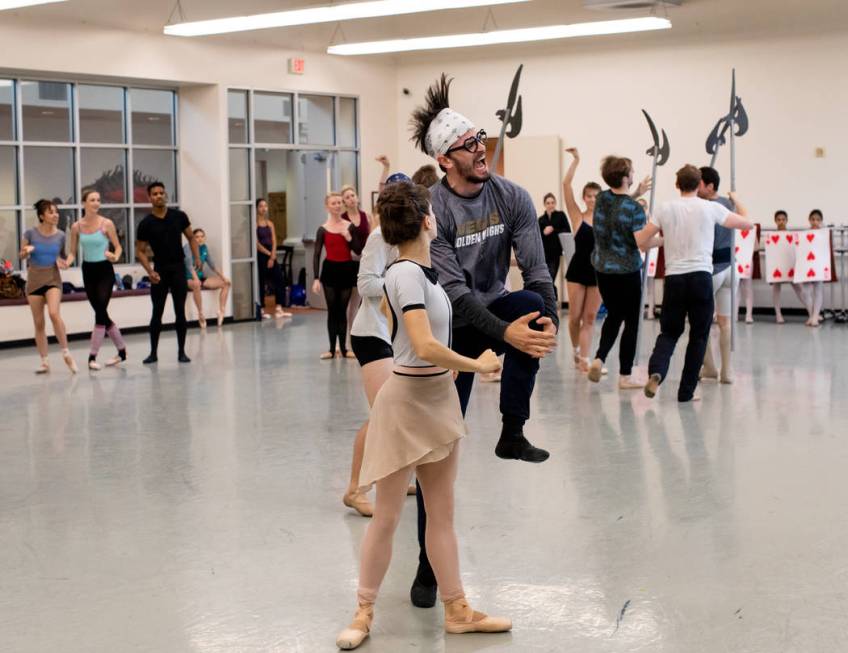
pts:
[474, 244]
[723, 240]
[410, 286]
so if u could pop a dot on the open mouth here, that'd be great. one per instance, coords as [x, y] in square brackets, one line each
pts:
[480, 164]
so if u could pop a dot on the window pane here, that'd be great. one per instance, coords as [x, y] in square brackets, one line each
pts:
[272, 118]
[242, 274]
[154, 165]
[272, 181]
[237, 112]
[105, 171]
[347, 169]
[101, 114]
[7, 101]
[241, 235]
[152, 117]
[46, 111]
[346, 124]
[119, 217]
[315, 120]
[9, 238]
[49, 174]
[8, 175]
[239, 175]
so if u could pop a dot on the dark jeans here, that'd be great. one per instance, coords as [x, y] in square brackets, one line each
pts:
[517, 380]
[684, 296]
[553, 269]
[171, 279]
[621, 294]
[273, 277]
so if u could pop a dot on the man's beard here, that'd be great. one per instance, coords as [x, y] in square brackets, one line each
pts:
[468, 174]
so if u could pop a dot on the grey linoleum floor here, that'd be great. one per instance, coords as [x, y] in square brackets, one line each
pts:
[197, 508]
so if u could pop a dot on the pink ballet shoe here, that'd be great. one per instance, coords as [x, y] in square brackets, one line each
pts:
[358, 630]
[461, 618]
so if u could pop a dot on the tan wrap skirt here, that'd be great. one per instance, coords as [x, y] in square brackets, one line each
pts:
[415, 420]
[39, 277]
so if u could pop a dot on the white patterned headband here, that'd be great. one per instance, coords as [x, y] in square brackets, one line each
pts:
[446, 128]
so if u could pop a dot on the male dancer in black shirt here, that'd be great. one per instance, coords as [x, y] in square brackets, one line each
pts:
[162, 229]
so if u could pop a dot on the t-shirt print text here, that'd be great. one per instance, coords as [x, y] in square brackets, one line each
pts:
[476, 231]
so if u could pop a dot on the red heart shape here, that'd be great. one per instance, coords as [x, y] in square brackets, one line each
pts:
[776, 274]
[748, 267]
[791, 273]
[789, 238]
[737, 249]
[826, 270]
[775, 238]
[811, 273]
[741, 269]
[745, 233]
[811, 257]
[810, 237]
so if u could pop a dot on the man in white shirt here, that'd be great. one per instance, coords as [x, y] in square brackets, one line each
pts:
[688, 226]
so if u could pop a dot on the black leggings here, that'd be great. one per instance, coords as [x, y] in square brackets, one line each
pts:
[98, 279]
[622, 295]
[337, 301]
[273, 277]
[171, 279]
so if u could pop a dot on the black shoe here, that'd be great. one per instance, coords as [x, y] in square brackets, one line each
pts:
[183, 358]
[421, 595]
[517, 447]
[153, 358]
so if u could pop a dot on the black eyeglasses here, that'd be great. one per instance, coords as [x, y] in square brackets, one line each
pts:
[471, 144]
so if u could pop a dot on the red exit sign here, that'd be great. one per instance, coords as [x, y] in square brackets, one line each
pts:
[297, 65]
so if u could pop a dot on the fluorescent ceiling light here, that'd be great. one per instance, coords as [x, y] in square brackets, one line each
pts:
[331, 14]
[503, 36]
[17, 4]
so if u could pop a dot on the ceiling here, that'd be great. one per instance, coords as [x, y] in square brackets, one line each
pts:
[717, 18]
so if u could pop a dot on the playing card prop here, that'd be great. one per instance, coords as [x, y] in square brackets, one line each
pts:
[780, 256]
[653, 258]
[744, 252]
[813, 258]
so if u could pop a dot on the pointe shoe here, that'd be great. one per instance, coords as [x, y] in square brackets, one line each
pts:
[652, 386]
[327, 355]
[202, 321]
[411, 490]
[115, 360]
[779, 319]
[352, 636]
[359, 503]
[266, 316]
[596, 370]
[220, 318]
[44, 368]
[749, 320]
[70, 362]
[726, 379]
[461, 618]
[349, 354]
[94, 366]
[708, 375]
[627, 383]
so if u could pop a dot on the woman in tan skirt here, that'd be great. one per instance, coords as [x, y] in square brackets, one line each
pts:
[44, 246]
[416, 422]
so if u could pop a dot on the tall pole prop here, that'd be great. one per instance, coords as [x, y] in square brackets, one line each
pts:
[659, 151]
[508, 119]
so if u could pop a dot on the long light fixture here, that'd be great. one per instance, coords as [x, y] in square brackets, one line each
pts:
[547, 33]
[17, 4]
[330, 14]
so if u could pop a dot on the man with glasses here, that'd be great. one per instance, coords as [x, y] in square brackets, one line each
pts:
[481, 219]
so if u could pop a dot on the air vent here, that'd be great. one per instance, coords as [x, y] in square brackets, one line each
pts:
[630, 4]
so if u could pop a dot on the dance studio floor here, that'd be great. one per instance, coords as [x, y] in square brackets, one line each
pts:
[198, 508]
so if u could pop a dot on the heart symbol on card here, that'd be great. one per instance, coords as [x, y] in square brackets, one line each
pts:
[811, 273]
[777, 274]
[745, 233]
[741, 269]
[789, 238]
[811, 257]
[810, 237]
[737, 249]
[791, 273]
[775, 238]
[748, 267]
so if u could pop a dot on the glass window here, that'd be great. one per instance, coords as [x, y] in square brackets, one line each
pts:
[101, 114]
[49, 174]
[346, 124]
[347, 169]
[8, 175]
[272, 122]
[152, 117]
[241, 235]
[242, 278]
[120, 218]
[154, 165]
[7, 103]
[239, 175]
[9, 239]
[237, 116]
[315, 120]
[46, 111]
[104, 170]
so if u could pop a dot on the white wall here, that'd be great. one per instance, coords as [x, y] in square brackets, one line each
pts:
[795, 91]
